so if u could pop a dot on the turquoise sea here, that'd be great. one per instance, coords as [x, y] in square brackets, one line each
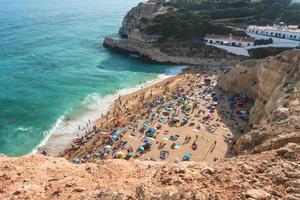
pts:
[53, 66]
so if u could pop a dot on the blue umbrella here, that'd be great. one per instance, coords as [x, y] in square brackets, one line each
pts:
[129, 155]
[151, 130]
[141, 149]
[187, 156]
[114, 137]
[185, 119]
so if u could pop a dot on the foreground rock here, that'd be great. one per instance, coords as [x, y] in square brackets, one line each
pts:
[274, 83]
[270, 175]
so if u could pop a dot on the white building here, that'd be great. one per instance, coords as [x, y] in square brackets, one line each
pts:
[278, 31]
[229, 40]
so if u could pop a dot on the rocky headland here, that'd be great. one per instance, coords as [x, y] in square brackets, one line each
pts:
[136, 40]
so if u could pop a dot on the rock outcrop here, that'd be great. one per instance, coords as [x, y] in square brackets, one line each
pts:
[270, 175]
[274, 83]
[170, 53]
[132, 25]
[136, 40]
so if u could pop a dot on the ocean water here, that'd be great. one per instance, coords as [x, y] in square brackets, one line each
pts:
[53, 67]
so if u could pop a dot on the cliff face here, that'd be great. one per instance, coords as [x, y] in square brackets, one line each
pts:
[271, 175]
[168, 54]
[274, 83]
[136, 40]
[132, 21]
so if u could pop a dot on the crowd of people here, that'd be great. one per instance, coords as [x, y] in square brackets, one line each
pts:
[187, 118]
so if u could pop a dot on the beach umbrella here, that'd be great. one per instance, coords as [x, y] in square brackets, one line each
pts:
[114, 137]
[120, 121]
[151, 130]
[107, 147]
[187, 156]
[119, 154]
[165, 139]
[141, 149]
[185, 119]
[128, 155]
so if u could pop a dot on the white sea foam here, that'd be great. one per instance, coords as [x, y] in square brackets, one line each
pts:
[65, 130]
[24, 129]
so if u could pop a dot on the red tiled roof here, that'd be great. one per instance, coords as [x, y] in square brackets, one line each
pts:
[230, 38]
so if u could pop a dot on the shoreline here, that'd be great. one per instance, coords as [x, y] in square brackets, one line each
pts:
[55, 143]
[214, 130]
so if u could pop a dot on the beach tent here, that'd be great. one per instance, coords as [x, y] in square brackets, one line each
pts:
[114, 137]
[187, 156]
[185, 120]
[141, 149]
[107, 147]
[161, 119]
[149, 138]
[76, 161]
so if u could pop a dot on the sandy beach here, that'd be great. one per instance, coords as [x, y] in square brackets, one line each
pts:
[185, 117]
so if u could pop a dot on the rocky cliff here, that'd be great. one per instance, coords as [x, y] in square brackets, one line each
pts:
[175, 53]
[270, 175]
[136, 40]
[132, 22]
[274, 83]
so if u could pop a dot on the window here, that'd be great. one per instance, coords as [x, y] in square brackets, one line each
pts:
[271, 33]
[295, 36]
